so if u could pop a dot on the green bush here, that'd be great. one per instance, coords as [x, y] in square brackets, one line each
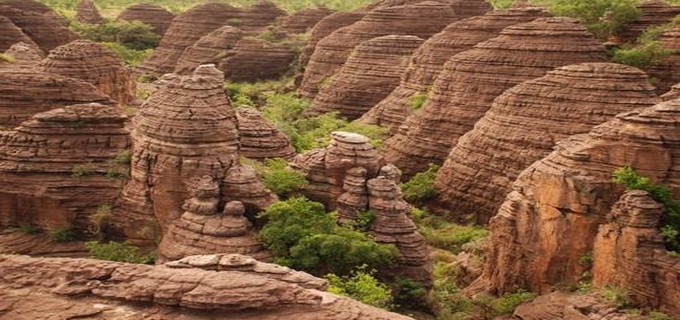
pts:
[507, 303]
[603, 18]
[133, 35]
[6, 58]
[421, 186]
[63, 234]
[131, 57]
[28, 228]
[654, 315]
[100, 218]
[618, 296]
[82, 170]
[118, 251]
[124, 157]
[363, 286]
[410, 293]
[642, 55]
[451, 236]
[280, 178]
[418, 100]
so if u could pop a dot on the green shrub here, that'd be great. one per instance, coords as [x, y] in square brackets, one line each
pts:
[6, 58]
[363, 286]
[654, 315]
[131, 34]
[642, 55]
[418, 100]
[100, 218]
[410, 293]
[507, 303]
[131, 57]
[82, 170]
[118, 251]
[618, 296]
[449, 236]
[280, 178]
[602, 17]
[421, 186]
[28, 228]
[63, 234]
[124, 157]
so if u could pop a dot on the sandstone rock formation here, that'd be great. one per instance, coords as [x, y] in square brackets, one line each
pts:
[95, 64]
[303, 20]
[86, 12]
[428, 60]
[211, 48]
[54, 167]
[371, 72]
[11, 34]
[261, 139]
[672, 94]
[200, 287]
[256, 59]
[652, 13]
[665, 73]
[465, 89]
[201, 230]
[324, 28]
[523, 125]
[551, 218]
[255, 19]
[26, 92]
[422, 20]
[185, 129]
[25, 55]
[39, 244]
[153, 15]
[37, 21]
[561, 305]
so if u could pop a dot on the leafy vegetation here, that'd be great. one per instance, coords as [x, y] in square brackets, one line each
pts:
[617, 296]
[131, 57]
[641, 55]
[418, 100]
[133, 35]
[100, 219]
[363, 286]
[63, 234]
[421, 186]
[279, 177]
[118, 251]
[82, 170]
[28, 228]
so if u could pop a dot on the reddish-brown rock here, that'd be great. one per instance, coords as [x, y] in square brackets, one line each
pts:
[261, 139]
[371, 72]
[422, 20]
[26, 91]
[156, 16]
[95, 64]
[25, 55]
[211, 48]
[428, 60]
[217, 287]
[665, 73]
[254, 59]
[37, 21]
[551, 218]
[54, 167]
[324, 28]
[652, 13]
[86, 12]
[255, 19]
[472, 79]
[562, 305]
[11, 34]
[672, 94]
[303, 20]
[185, 129]
[524, 124]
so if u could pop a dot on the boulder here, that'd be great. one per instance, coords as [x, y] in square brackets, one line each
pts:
[371, 72]
[254, 59]
[86, 12]
[324, 28]
[261, 139]
[156, 16]
[211, 48]
[472, 79]
[303, 20]
[653, 13]
[11, 34]
[524, 124]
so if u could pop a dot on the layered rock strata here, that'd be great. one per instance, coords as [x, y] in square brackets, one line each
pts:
[523, 125]
[56, 168]
[672, 94]
[26, 91]
[200, 287]
[472, 79]
[86, 12]
[95, 64]
[665, 72]
[324, 28]
[261, 139]
[303, 20]
[25, 55]
[552, 216]
[156, 16]
[428, 60]
[422, 20]
[371, 72]
[211, 48]
[201, 230]
[10, 34]
[652, 13]
[562, 305]
[185, 129]
[255, 59]
[38, 22]
[255, 19]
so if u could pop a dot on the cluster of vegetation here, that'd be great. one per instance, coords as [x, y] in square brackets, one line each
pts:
[420, 187]
[132, 41]
[445, 235]
[277, 175]
[647, 50]
[118, 251]
[100, 219]
[63, 234]
[362, 285]
[418, 100]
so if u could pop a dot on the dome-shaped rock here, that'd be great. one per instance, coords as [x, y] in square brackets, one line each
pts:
[26, 55]
[86, 12]
[303, 20]
[261, 139]
[255, 19]
[652, 13]
[11, 34]
[325, 27]
[211, 48]
[42, 26]
[666, 73]
[156, 16]
[254, 59]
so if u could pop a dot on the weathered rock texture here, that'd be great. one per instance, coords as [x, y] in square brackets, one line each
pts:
[551, 218]
[199, 287]
[201, 230]
[429, 59]
[303, 20]
[37, 21]
[54, 166]
[561, 305]
[261, 139]
[522, 127]
[422, 20]
[95, 64]
[209, 49]
[11, 34]
[185, 30]
[86, 12]
[186, 129]
[26, 92]
[153, 15]
[324, 28]
[371, 72]
[25, 55]
[652, 13]
[472, 79]
[672, 94]
[255, 19]
[39, 244]
[256, 59]
[665, 73]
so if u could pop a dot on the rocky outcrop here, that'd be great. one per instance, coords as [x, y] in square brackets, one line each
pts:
[261, 139]
[255, 19]
[95, 64]
[209, 49]
[672, 94]
[185, 30]
[303, 20]
[10, 34]
[201, 230]
[552, 216]
[56, 168]
[201, 287]
[561, 305]
[185, 129]
[156, 16]
[26, 91]
[371, 72]
[472, 79]
[664, 73]
[256, 59]
[25, 55]
[652, 13]
[523, 125]
[39, 22]
[428, 60]
[324, 28]
[422, 20]
[86, 12]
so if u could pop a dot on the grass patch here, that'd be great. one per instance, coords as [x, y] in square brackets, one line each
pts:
[421, 187]
[118, 251]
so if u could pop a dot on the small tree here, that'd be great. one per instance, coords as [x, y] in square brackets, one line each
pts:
[421, 186]
[363, 286]
[603, 18]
